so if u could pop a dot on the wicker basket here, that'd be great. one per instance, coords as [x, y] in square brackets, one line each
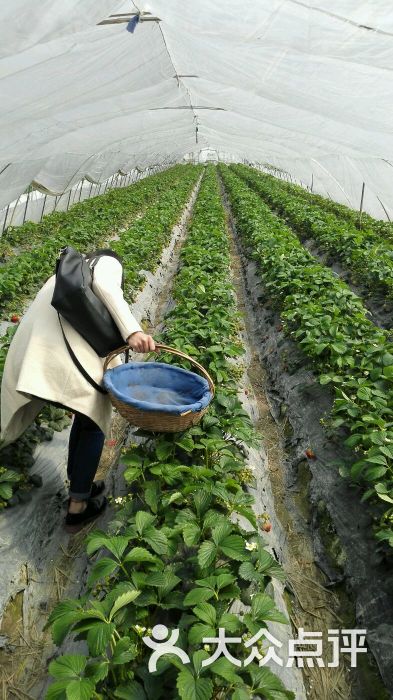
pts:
[159, 421]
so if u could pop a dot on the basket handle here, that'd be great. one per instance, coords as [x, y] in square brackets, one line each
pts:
[166, 348]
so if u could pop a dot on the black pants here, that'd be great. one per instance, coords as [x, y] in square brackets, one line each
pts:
[84, 452]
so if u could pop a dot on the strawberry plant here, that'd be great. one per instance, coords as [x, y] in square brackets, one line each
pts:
[175, 553]
[329, 322]
[367, 256]
[87, 225]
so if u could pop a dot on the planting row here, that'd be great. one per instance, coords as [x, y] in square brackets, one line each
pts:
[174, 554]
[360, 220]
[329, 322]
[367, 256]
[86, 226]
[140, 246]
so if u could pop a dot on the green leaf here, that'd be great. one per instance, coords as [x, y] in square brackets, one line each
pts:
[241, 694]
[156, 539]
[139, 554]
[248, 514]
[132, 474]
[269, 685]
[198, 595]
[202, 501]
[198, 632]
[186, 443]
[164, 450]
[385, 497]
[124, 651]
[248, 573]
[123, 599]
[377, 459]
[224, 668]
[191, 688]
[325, 379]
[5, 491]
[206, 612]
[143, 521]
[206, 554]
[95, 541]
[224, 580]
[221, 531]
[230, 622]
[9, 475]
[233, 547]
[191, 534]
[63, 617]
[56, 691]
[97, 671]
[132, 691]
[80, 689]
[117, 545]
[263, 608]
[152, 494]
[98, 637]
[197, 658]
[102, 568]
[68, 666]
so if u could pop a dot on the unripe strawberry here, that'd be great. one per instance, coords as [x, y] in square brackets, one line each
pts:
[267, 527]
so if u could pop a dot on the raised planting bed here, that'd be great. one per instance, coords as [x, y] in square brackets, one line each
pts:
[175, 554]
[365, 253]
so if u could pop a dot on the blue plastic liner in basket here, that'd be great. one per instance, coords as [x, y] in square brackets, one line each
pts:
[156, 386]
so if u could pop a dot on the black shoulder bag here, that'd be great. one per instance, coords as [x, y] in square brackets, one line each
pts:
[74, 299]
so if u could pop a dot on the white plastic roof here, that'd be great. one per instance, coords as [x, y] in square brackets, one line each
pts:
[303, 86]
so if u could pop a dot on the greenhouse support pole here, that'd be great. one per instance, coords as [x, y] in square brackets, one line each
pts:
[312, 181]
[361, 206]
[80, 192]
[91, 187]
[381, 203]
[5, 218]
[69, 199]
[27, 204]
[43, 208]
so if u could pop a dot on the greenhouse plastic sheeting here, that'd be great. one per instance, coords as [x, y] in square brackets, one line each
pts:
[301, 86]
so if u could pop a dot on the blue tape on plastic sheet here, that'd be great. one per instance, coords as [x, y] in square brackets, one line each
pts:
[156, 386]
[132, 24]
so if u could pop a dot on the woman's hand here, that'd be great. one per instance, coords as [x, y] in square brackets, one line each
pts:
[141, 342]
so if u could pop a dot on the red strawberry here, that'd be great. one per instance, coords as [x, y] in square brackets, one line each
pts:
[267, 526]
[15, 318]
[310, 454]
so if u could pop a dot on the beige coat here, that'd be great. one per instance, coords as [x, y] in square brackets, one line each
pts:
[38, 363]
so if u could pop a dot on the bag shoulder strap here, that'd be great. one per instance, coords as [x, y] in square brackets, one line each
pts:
[92, 262]
[78, 364]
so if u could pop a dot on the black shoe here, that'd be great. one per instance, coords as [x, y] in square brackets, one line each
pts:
[97, 488]
[76, 521]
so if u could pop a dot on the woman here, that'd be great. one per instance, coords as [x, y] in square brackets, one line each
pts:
[39, 370]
